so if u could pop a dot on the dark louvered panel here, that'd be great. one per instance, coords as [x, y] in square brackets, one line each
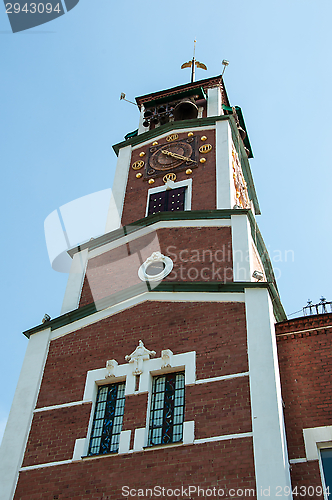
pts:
[176, 199]
[167, 201]
[157, 203]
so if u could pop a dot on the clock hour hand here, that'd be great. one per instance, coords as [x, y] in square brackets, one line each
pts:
[175, 155]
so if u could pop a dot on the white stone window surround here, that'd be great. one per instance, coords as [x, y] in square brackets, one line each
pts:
[179, 362]
[316, 438]
[187, 183]
[155, 257]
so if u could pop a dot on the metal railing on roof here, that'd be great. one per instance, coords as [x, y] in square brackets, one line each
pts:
[322, 308]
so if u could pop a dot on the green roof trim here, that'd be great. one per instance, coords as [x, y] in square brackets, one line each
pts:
[164, 129]
[243, 125]
[131, 134]
[152, 219]
[188, 287]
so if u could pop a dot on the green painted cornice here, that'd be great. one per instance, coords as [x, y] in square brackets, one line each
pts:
[188, 287]
[168, 127]
[153, 219]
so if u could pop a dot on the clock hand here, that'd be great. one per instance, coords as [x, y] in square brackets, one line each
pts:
[175, 155]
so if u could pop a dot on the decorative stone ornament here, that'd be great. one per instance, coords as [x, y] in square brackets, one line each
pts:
[137, 357]
[111, 366]
[166, 358]
[155, 268]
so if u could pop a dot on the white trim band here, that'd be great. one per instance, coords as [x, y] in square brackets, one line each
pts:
[298, 460]
[222, 377]
[223, 438]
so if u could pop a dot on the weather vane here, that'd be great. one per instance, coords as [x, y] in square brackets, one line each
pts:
[191, 64]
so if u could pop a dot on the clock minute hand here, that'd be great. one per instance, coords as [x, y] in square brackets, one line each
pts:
[175, 155]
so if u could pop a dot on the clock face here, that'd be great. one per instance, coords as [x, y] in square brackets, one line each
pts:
[177, 155]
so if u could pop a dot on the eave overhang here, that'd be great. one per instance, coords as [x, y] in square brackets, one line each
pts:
[181, 91]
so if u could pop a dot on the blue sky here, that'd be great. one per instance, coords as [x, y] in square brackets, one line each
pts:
[61, 113]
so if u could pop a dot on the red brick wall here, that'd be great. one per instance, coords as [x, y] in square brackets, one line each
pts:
[198, 253]
[204, 181]
[223, 464]
[135, 414]
[53, 434]
[219, 408]
[306, 475]
[305, 360]
[216, 331]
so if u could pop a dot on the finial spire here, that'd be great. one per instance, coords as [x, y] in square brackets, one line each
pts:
[191, 64]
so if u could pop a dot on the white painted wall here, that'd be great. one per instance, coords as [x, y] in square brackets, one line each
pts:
[75, 282]
[242, 249]
[20, 417]
[119, 189]
[214, 102]
[141, 128]
[224, 165]
[270, 450]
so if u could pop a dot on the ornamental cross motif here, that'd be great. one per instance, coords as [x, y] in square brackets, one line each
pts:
[137, 357]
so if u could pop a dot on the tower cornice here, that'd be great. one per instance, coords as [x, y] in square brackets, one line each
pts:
[215, 81]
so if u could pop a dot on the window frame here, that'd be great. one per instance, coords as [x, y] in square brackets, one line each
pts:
[169, 398]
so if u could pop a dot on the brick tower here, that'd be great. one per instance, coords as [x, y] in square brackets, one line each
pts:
[160, 377]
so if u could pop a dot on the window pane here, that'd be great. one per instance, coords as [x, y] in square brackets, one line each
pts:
[167, 409]
[327, 466]
[108, 418]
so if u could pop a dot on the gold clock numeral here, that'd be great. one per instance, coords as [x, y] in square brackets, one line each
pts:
[203, 138]
[205, 148]
[172, 137]
[169, 177]
[138, 164]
